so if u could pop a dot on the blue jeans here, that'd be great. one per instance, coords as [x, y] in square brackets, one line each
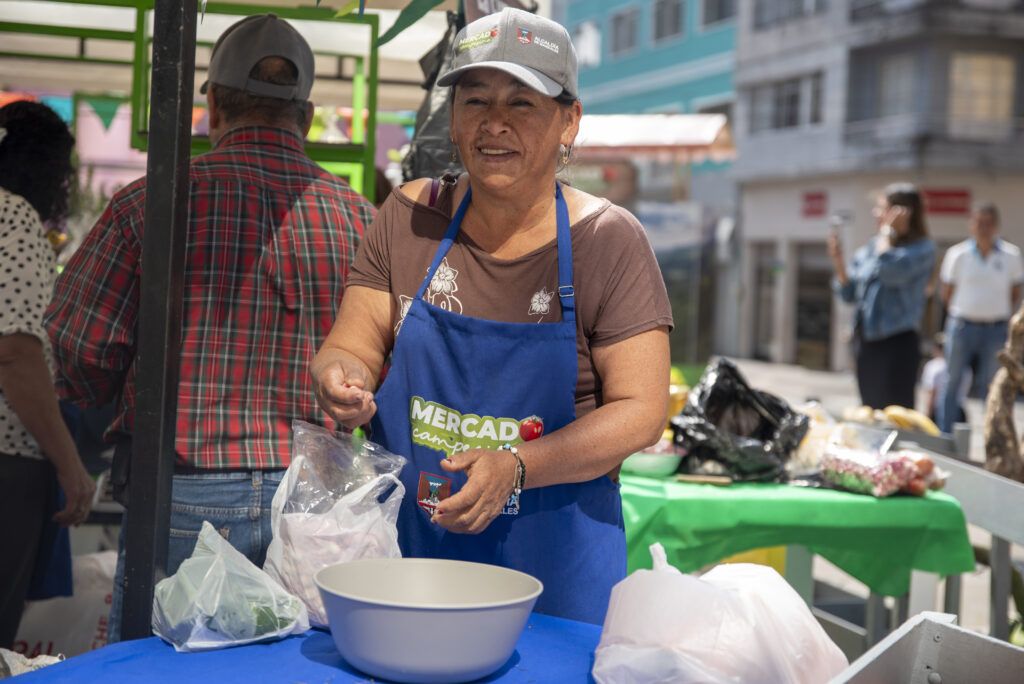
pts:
[965, 343]
[237, 504]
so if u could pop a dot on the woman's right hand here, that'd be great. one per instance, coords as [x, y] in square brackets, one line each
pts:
[79, 489]
[340, 391]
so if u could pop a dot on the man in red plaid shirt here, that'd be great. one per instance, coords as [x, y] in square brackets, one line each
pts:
[270, 239]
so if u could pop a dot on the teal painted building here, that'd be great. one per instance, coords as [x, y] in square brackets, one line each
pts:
[644, 56]
[671, 56]
[651, 56]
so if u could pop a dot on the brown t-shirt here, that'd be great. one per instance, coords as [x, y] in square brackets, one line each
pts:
[619, 289]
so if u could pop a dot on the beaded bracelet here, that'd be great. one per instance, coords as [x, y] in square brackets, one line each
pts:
[519, 484]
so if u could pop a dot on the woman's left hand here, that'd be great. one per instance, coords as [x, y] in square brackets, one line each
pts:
[491, 476]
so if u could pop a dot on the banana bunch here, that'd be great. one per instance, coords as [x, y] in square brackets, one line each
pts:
[895, 416]
[909, 419]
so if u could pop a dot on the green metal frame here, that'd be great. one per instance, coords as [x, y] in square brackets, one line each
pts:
[355, 160]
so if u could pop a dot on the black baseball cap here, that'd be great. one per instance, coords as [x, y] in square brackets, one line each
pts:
[246, 42]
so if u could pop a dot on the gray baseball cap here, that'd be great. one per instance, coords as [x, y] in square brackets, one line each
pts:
[535, 50]
[246, 42]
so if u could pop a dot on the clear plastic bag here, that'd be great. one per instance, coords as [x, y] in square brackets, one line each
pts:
[738, 623]
[338, 502]
[806, 461]
[218, 598]
[859, 459]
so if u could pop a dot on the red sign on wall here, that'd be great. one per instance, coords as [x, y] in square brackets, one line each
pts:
[948, 201]
[815, 204]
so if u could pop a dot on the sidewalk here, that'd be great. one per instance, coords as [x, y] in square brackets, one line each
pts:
[838, 391]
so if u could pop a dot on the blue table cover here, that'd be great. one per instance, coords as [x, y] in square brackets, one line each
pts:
[549, 650]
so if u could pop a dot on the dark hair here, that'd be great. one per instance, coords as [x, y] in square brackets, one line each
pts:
[35, 158]
[907, 195]
[989, 208]
[237, 104]
[382, 187]
[566, 99]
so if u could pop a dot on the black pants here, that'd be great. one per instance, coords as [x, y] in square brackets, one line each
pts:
[887, 370]
[26, 485]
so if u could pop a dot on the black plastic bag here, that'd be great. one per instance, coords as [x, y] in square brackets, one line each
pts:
[429, 153]
[729, 428]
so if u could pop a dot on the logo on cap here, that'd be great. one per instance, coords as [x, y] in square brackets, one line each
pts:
[479, 39]
[525, 37]
[546, 44]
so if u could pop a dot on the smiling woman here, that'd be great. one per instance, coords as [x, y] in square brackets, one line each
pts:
[450, 278]
[507, 132]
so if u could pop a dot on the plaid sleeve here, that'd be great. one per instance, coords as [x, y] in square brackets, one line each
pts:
[91, 319]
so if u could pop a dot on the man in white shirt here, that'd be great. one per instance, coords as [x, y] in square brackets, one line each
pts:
[981, 284]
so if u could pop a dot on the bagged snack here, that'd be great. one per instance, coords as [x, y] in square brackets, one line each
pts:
[880, 475]
[218, 598]
[338, 502]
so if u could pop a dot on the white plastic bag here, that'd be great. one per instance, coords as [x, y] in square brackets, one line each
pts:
[13, 663]
[739, 623]
[328, 510]
[71, 625]
[218, 598]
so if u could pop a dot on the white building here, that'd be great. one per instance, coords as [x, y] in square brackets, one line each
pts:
[835, 100]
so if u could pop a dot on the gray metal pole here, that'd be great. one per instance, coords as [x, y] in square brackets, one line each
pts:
[1001, 566]
[160, 309]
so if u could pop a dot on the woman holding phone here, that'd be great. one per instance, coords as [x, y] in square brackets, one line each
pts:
[886, 283]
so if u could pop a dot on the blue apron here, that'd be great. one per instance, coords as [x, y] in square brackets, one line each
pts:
[457, 383]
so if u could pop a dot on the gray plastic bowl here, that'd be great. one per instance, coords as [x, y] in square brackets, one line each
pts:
[424, 620]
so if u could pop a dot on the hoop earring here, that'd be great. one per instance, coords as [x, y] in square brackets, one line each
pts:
[455, 155]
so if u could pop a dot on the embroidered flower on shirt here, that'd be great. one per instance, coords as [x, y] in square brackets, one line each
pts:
[444, 287]
[405, 303]
[540, 303]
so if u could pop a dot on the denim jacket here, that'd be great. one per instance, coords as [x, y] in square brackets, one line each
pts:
[888, 288]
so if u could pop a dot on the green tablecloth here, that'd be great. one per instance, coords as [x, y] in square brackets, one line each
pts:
[877, 541]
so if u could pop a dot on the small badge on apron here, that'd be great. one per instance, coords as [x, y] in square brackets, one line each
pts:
[432, 490]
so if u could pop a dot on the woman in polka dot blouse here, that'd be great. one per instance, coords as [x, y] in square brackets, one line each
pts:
[35, 175]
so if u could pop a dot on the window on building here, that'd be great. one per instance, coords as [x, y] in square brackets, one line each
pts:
[771, 12]
[817, 113]
[760, 108]
[786, 104]
[587, 39]
[624, 31]
[668, 18]
[896, 85]
[981, 95]
[778, 105]
[718, 10]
